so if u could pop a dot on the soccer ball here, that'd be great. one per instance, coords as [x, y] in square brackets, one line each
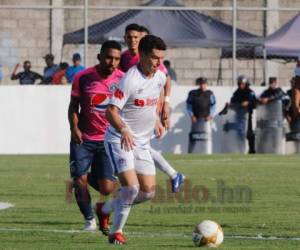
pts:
[208, 233]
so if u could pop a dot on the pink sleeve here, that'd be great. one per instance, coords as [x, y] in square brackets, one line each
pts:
[75, 86]
[163, 69]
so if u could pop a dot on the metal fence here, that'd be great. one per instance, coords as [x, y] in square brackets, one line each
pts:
[30, 31]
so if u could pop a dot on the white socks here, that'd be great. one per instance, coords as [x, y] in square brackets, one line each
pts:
[161, 163]
[122, 205]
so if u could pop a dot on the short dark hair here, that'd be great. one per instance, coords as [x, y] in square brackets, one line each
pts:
[150, 42]
[110, 44]
[167, 63]
[144, 29]
[272, 79]
[133, 26]
[63, 65]
[201, 80]
[49, 56]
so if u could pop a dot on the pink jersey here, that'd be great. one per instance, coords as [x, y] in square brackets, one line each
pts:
[128, 60]
[94, 93]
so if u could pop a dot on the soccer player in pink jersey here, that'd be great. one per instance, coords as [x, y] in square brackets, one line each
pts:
[133, 114]
[129, 58]
[91, 90]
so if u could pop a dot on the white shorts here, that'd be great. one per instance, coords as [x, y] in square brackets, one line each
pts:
[138, 159]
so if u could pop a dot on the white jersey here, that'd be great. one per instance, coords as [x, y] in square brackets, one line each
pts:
[137, 97]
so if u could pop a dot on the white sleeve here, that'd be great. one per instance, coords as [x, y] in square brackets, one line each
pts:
[122, 92]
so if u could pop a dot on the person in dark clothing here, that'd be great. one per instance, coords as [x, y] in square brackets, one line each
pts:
[27, 76]
[250, 131]
[245, 97]
[289, 108]
[201, 106]
[50, 68]
[272, 93]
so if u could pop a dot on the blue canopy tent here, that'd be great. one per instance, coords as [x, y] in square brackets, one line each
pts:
[282, 44]
[179, 28]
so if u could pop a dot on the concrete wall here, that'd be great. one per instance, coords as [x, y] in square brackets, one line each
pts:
[34, 120]
[25, 34]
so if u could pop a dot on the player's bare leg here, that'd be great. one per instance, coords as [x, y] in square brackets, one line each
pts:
[83, 200]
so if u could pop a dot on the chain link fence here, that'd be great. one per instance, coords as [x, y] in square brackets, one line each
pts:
[30, 29]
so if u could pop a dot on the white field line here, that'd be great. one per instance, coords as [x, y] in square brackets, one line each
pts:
[5, 205]
[229, 159]
[149, 234]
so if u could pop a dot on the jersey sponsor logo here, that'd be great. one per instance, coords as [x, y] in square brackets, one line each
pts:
[99, 102]
[119, 94]
[147, 102]
[139, 102]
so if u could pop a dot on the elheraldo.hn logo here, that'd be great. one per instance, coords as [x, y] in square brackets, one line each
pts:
[196, 193]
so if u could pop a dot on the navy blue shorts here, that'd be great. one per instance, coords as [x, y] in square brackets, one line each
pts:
[90, 154]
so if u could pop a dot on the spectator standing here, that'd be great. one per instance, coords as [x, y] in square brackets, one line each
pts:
[77, 67]
[50, 68]
[201, 106]
[26, 77]
[59, 77]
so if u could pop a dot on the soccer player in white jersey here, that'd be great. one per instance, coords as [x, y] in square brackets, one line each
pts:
[133, 116]
[129, 58]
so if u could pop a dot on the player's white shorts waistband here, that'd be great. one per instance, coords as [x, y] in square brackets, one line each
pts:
[138, 159]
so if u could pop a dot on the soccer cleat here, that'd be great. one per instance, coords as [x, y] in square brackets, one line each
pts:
[176, 182]
[90, 225]
[116, 239]
[103, 218]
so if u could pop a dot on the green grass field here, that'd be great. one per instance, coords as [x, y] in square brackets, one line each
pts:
[255, 198]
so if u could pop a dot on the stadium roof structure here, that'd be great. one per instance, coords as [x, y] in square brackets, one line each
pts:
[282, 44]
[179, 28]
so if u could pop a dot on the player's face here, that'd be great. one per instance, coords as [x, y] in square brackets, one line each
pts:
[110, 60]
[153, 60]
[132, 39]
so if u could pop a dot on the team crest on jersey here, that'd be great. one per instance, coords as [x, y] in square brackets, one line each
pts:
[118, 94]
[113, 87]
[121, 162]
[99, 102]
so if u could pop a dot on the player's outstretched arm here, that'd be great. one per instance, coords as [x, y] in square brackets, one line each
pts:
[113, 116]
